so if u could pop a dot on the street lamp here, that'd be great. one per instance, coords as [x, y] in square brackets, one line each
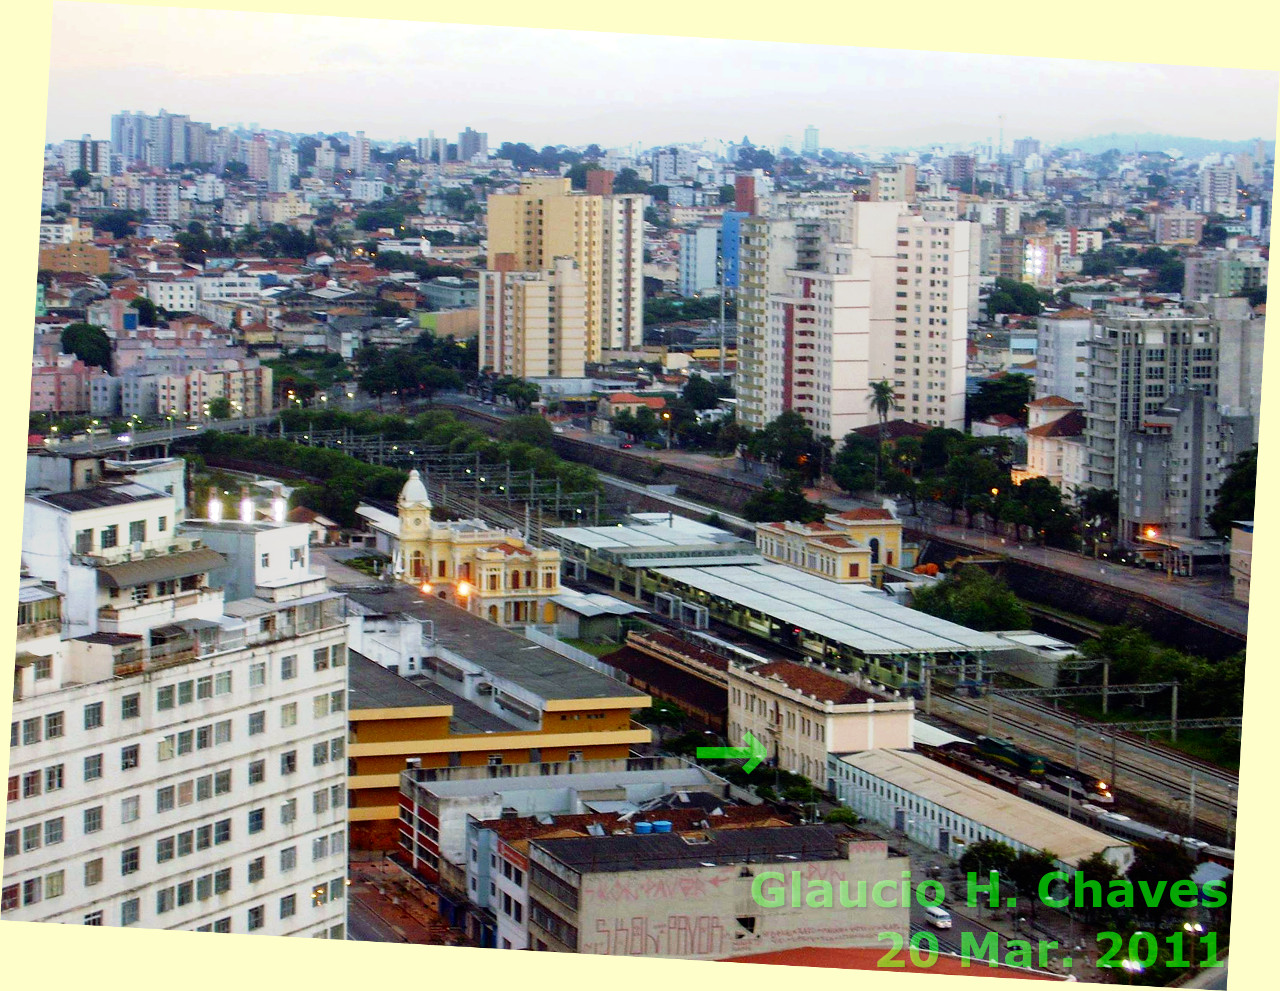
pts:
[1132, 967]
[1193, 931]
[667, 416]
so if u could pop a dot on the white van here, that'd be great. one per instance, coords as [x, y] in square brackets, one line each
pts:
[939, 918]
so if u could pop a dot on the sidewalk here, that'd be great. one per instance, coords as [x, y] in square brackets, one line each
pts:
[386, 891]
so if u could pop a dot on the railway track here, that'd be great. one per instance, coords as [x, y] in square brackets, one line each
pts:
[1057, 741]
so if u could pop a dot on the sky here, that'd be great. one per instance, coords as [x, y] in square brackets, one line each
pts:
[403, 79]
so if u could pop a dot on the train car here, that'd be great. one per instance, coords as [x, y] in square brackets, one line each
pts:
[1007, 753]
[1063, 777]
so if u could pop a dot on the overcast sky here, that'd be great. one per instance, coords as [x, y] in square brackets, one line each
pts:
[403, 79]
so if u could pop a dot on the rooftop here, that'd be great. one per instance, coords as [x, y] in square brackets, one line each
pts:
[374, 687]
[858, 616]
[99, 497]
[715, 847]
[500, 652]
[1014, 817]
[822, 686]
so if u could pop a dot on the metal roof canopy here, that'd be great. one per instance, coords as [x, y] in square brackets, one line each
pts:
[856, 616]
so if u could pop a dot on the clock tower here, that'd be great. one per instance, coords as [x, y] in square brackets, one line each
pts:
[415, 527]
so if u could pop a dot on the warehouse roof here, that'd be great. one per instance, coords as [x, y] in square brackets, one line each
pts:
[858, 616]
[1021, 821]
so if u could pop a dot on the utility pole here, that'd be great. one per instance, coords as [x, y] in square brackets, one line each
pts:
[1173, 717]
[720, 272]
[928, 688]
[1191, 804]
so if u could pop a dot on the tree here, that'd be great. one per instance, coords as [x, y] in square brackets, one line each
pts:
[1012, 296]
[89, 343]
[1027, 871]
[235, 170]
[220, 408]
[987, 855]
[972, 597]
[883, 401]
[662, 714]
[1155, 862]
[81, 177]
[841, 815]
[528, 430]
[772, 505]
[1007, 394]
[1236, 495]
[629, 181]
[701, 393]
[789, 443]
[854, 468]
[728, 194]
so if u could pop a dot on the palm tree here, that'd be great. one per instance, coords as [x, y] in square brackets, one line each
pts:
[882, 401]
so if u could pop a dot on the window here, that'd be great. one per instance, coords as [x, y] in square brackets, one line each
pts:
[31, 891]
[320, 848]
[338, 796]
[129, 809]
[288, 858]
[222, 731]
[204, 837]
[93, 919]
[53, 778]
[53, 831]
[319, 754]
[109, 537]
[320, 706]
[258, 674]
[186, 693]
[288, 905]
[222, 881]
[84, 541]
[204, 737]
[204, 887]
[129, 912]
[255, 918]
[186, 843]
[288, 667]
[129, 757]
[257, 722]
[320, 801]
[129, 860]
[289, 762]
[321, 659]
[204, 687]
[222, 782]
[186, 892]
[336, 747]
[204, 787]
[164, 900]
[137, 531]
[93, 872]
[14, 787]
[165, 798]
[185, 792]
[222, 829]
[53, 725]
[257, 771]
[163, 524]
[257, 868]
[289, 812]
[130, 707]
[164, 850]
[289, 714]
[30, 838]
[222, 683]
[93, 715]
[222, 925]
[31, 731]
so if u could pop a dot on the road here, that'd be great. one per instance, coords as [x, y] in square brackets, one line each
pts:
[366, 926]
[106, 444]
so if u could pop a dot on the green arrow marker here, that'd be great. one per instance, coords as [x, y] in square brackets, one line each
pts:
[754, 752]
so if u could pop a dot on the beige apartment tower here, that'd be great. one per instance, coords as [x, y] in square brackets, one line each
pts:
[534, 324]
[547, 220]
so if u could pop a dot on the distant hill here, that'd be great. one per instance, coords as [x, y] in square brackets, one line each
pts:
[1190, 147]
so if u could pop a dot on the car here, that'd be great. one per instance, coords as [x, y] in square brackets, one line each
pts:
[193, 426]
[624, 446]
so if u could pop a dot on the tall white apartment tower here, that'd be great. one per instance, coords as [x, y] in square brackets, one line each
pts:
[182, 766]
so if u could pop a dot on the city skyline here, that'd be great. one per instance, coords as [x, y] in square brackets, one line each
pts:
[338, 71]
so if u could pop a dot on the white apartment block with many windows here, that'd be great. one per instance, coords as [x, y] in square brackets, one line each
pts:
[183, 765]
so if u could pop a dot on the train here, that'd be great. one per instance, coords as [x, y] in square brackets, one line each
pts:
[1056, 776]
[1121, 826]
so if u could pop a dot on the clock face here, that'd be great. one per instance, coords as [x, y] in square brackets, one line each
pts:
[417, 521]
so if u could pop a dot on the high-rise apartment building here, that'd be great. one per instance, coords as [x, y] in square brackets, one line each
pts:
[533, 324]
[921, 288]
[1169, 468]
[698, 253]
[1024, 147]
[178, 760]
[811, 141]
[92, 156]
[1218, 190]
[603, 234]
[258, 158]
[472, 143]
[360, 151]
[1062, 354]
[1137, 361]
[895, 184]
[1227, 271]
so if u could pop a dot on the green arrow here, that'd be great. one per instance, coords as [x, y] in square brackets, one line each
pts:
[754, 752]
